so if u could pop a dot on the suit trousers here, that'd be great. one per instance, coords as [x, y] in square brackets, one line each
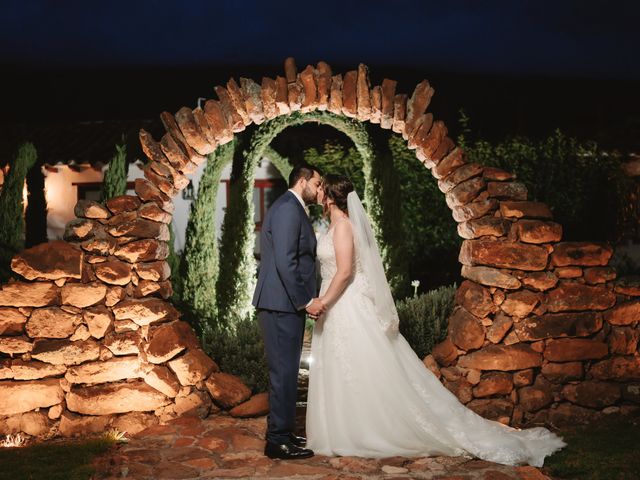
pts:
[283, 334]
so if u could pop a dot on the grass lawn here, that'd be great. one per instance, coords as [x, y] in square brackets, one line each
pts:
[608, 450]
[52, 460]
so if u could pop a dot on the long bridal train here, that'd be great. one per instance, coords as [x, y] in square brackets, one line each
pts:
[371, 396]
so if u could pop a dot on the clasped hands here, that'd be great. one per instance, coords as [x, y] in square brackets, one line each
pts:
[316, 308]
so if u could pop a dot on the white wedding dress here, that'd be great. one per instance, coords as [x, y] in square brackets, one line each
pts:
[371, 396]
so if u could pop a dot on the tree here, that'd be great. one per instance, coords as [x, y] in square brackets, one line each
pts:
[36, 214]
[199, 265]
[12, 224]
[236, 280]
[115, 178]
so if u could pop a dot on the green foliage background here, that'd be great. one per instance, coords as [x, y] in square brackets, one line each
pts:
[12, 225]
[583, 186]
[419, 226]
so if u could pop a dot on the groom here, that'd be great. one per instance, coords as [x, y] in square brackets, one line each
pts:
[285, 291]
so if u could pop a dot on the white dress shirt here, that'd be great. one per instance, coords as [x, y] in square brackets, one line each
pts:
[306, 209]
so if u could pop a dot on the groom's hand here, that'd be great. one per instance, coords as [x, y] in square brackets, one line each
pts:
[316, 308]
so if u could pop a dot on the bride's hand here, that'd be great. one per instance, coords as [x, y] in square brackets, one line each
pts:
[324, 307]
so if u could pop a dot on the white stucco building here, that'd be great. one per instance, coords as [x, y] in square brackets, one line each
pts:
[65, 184]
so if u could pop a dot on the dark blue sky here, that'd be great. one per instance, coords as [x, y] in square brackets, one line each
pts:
[555, 38]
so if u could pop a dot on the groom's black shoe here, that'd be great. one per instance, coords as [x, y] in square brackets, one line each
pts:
[286, 451]
[298, 441]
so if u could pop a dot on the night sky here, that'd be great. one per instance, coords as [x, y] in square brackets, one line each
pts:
[577, 38]
[500, 60]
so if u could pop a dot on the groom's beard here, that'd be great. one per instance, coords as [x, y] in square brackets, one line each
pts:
[309, 197]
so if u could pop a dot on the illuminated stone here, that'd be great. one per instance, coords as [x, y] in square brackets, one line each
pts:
[90, 209]
[193, 367]
[11, 321]
[28, 294]
[145, 311]
[119, 368]
[65, 352]
[163, 380]
[256, 406]
[112, 398]
[19, 397]
[52, 322]
[227, 390]
[83, 294]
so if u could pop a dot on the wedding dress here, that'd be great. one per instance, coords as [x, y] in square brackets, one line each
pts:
[371, 396]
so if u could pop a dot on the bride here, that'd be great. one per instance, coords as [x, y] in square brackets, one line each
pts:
[369, 393]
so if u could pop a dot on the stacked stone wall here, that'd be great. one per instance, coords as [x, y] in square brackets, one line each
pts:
[542, 330]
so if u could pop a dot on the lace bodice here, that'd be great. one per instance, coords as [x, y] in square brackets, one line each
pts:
[326, 256]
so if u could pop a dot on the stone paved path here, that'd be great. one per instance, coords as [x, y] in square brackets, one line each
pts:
[223, 447]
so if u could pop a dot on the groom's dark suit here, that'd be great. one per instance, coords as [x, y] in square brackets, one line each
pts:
[286, 284]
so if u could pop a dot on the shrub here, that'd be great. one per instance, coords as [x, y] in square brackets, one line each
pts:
[239, 350]
[423, 318]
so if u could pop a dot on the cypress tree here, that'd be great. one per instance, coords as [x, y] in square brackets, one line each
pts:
[36, 214]
[236, 280]
[199, 263]
[114, 182]
[12, 224]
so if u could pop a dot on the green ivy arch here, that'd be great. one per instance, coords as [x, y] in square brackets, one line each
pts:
[238, 267]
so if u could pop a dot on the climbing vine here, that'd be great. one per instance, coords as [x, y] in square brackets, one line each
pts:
[282, 164]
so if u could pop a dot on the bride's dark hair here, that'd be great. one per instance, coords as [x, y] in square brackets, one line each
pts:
[337, 187]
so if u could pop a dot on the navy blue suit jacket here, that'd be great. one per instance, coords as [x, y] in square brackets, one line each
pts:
[287, 277]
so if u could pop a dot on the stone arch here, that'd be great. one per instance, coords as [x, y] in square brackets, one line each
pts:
[542, 331]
